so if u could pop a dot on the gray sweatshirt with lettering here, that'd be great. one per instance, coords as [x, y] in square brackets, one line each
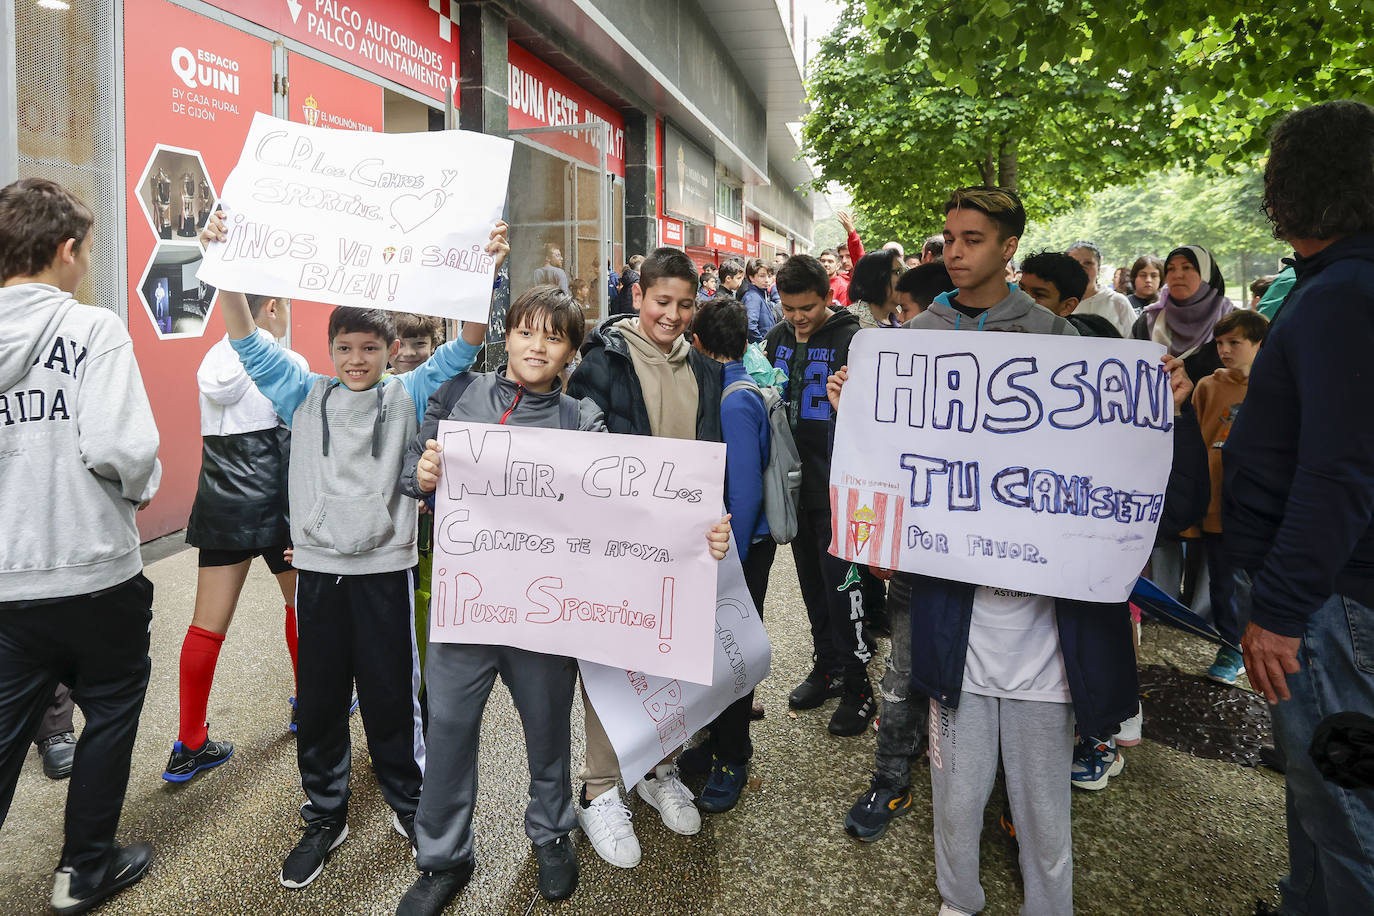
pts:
[78, 446]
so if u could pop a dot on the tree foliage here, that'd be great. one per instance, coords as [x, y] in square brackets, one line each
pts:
[1059, 98]
[1229, 68]
[900, 133]
[1218, 211]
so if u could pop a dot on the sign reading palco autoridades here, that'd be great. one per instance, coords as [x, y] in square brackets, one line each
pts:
[405, 41]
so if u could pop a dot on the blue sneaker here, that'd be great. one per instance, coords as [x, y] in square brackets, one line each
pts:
[1094, 762]
[185, 763]
[1228, 666]
[723, 786]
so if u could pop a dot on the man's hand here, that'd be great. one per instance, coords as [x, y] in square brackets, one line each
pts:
[846, 219]
[1179, 383]
[428, 471]
[718, 538]
[499, 246]
[1268, 657]
[833, 386]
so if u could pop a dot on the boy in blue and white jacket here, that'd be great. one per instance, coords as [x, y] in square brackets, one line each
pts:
[353, 532]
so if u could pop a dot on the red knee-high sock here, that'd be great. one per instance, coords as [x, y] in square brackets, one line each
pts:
[199, 655]
[291, 636]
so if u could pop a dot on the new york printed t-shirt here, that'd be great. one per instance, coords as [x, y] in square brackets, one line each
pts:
[1013, 648]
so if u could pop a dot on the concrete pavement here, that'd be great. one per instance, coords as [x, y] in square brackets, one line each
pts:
[1173, 834]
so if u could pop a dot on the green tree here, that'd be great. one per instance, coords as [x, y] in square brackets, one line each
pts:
[900, 132]
[1228, 68]
[1217, 211]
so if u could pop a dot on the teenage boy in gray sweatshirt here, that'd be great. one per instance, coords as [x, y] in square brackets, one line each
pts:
[353, 532]
[78, 456]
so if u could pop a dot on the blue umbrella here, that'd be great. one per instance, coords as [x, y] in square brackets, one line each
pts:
[1152, 599]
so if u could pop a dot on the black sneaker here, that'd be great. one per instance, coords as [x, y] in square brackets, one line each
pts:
[58, 752]
[857, 708]
[184, 764]
[557, 868]
[435, 890]
[306, 861]
[127, 865]
[818, 687]
[867, 821]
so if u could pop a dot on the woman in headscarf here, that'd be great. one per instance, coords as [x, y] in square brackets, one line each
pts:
[1193, 298]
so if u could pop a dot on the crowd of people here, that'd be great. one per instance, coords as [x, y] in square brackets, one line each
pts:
[1270, 503]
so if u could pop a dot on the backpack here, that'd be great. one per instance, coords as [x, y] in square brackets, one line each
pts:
[782, 477]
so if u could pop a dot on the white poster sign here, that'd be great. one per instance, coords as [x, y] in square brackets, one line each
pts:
[648, 717]
[373, 220]
[1029, 462]
[591, 545]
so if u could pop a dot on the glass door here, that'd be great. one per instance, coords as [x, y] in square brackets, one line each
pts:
[561, 219]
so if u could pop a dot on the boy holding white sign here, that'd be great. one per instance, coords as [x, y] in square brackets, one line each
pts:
[354, 539]
[1008, 673]
[545, 330]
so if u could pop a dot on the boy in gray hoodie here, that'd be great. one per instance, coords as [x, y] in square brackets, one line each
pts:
[78, 456]
[353, 532]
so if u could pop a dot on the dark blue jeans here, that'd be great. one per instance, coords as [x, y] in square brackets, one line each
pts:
[1330, 829]
[1229, 613]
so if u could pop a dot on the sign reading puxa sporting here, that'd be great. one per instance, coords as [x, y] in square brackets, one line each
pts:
[1021, 461]
[373, 220]
[590, 545]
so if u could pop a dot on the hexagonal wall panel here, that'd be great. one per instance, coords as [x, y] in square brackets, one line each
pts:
[176, 194]
[178, 305]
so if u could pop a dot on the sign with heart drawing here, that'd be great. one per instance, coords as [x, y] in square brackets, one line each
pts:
[373, 220]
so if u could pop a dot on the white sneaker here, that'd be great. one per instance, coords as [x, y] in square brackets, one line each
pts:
[1129, 736]
[606, 822]
[672, 800]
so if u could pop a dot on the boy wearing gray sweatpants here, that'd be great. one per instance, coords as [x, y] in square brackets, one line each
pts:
[1035, 740]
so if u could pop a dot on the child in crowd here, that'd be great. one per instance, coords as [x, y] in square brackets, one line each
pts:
[839, 286]
[78, 457]
[918, 287]
[1218, 400]
[730, 277]
[239, 513]
[419, 336]
[990, 659]
[1057, 282]
[810, 343]
[706, 284]
[545, 330]
[648, 381]
[354, 542]
[581, 291]
[720, 330]
[755, 296]
[1147, 275]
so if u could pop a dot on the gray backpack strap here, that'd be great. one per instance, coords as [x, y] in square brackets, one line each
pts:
[741, 385]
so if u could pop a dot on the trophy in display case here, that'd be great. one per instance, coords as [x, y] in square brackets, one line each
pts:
[206, 200]
[187, 228]
[162, 203]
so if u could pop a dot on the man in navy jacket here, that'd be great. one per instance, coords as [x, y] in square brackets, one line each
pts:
[1298, 492]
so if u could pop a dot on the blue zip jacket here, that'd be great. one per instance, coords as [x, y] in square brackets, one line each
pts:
[286, 384]
[744, 422]
[1298, 467]
[761, 314]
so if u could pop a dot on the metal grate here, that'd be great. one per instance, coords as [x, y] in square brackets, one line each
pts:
[67, 87]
